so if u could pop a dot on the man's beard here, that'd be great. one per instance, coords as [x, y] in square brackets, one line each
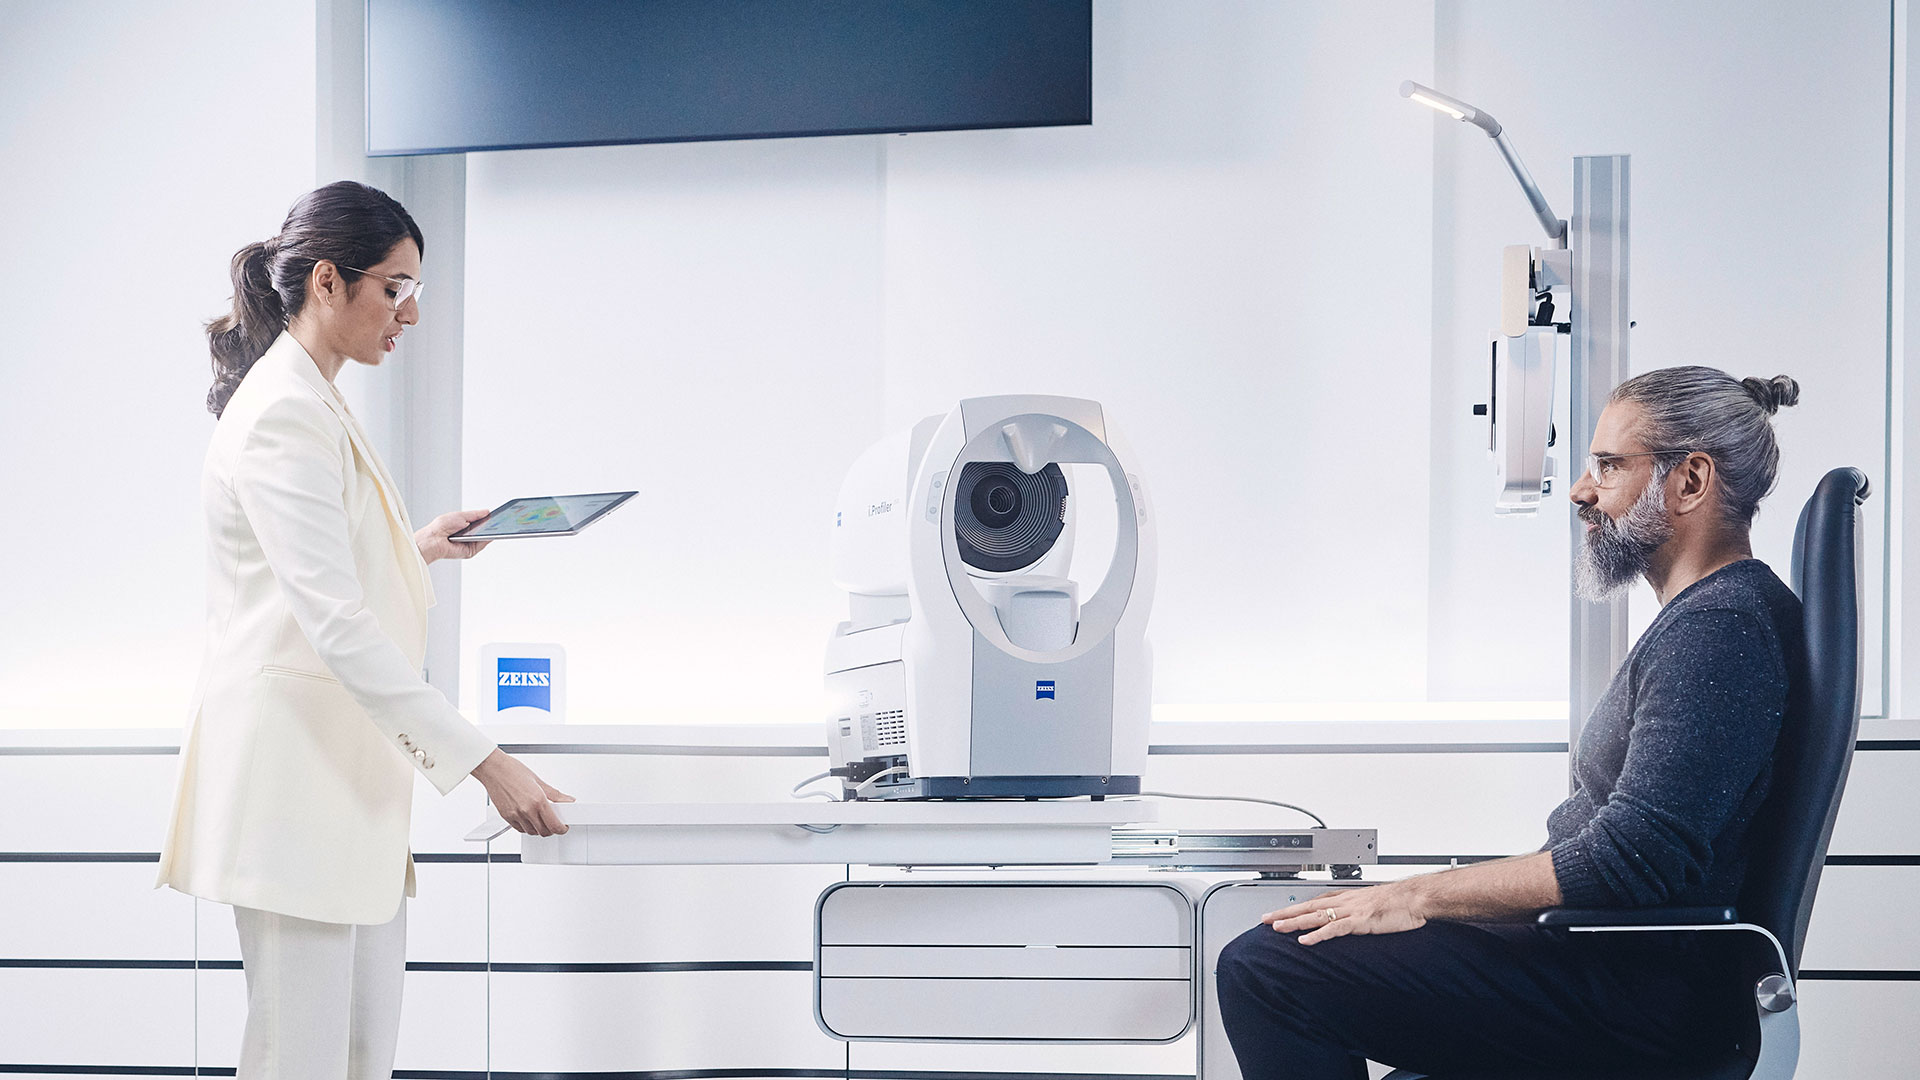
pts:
[1618, 552]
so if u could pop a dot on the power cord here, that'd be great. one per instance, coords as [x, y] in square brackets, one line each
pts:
[1236, 798]
[814, 779]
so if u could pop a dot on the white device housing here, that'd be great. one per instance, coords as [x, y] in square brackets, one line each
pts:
[1525, 362]
[1007, 681]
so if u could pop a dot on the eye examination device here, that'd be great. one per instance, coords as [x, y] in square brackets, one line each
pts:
[976, 662]
[1528, 351]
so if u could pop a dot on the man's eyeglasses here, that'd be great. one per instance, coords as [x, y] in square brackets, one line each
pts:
[403, 287]
[1604, 469]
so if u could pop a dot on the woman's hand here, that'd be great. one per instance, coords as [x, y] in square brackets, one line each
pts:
[432, 538]
[524, 800]
[1379, 909]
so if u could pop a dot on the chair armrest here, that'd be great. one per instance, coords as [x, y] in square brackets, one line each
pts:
[1774, 996]
[1650, 916]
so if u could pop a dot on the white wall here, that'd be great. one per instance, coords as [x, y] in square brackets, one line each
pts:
[700, 322]
[143, 144]
[1759, 241]
[1223, 258]
[1231, 259]
[1276, 272]
[1279, 276]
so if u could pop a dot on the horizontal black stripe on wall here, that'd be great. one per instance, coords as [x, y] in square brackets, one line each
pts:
[428, 965]
[838, 1074]
[663, 750]
[647, 1074]
[125, 965]
[127, 1069]
[670, 966]
[513, 857]
[1444, 860]
[672, 750]
[1163, 749]
[79, 856]
[154, 857]
[663, 966]
[89, 751]
[1239, 749]
[651, 1074]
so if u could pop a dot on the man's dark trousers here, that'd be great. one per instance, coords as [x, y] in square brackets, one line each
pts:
[1468, 999]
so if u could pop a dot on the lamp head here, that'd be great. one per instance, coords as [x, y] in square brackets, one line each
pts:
[1454, 107]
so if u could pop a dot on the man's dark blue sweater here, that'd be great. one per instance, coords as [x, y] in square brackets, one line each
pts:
[1678, 755]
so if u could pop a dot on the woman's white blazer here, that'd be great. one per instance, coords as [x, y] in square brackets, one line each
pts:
[311, 716]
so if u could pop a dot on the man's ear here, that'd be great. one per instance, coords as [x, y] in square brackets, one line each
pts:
[1692, 484]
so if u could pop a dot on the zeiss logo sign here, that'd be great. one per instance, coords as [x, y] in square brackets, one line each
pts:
[525, 682]
[1043, 688]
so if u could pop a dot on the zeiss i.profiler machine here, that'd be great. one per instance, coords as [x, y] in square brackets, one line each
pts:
[972, 665]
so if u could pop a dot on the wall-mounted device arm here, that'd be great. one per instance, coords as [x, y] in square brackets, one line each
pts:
[1460, 110]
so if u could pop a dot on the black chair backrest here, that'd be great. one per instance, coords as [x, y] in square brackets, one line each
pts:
[1822, 718]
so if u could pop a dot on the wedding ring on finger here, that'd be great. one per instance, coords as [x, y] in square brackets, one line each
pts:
[1330, 914]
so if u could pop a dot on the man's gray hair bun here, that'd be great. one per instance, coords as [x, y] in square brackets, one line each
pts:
[1773, 394]
[1708, 411]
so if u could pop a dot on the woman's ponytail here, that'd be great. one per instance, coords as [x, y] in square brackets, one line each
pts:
[346, 223]
[243, 335]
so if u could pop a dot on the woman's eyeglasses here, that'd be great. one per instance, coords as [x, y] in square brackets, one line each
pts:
[403, 287]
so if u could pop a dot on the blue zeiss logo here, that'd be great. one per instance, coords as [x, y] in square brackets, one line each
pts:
[1043, 688]
[525, 682]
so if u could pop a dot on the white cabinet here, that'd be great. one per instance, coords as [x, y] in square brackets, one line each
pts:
[1005, 962]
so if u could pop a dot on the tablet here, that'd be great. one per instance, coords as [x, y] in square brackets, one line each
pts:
[545, 515]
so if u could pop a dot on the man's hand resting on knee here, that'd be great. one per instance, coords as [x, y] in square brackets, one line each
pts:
[1488, 891]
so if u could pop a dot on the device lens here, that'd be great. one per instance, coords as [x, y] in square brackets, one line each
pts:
[996, 503]
[1008, 519]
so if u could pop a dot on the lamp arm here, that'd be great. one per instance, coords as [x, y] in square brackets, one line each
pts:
[1460, 110]
[1551, 222]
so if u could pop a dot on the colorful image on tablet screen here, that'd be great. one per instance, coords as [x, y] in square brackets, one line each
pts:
[543, 514]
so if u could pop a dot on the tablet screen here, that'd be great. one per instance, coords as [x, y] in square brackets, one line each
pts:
[546, 514]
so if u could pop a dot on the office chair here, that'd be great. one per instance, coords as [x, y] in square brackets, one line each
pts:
[1790, 835]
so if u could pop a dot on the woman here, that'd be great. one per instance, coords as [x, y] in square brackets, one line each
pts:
[311, 716]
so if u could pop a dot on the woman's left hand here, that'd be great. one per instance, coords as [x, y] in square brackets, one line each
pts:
[432, 538]
[1380, 909]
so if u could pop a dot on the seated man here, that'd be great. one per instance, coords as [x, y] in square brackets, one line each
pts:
[1423, 973]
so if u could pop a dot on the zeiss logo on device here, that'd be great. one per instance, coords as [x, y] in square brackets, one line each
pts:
[525, 682]
[1043, 688]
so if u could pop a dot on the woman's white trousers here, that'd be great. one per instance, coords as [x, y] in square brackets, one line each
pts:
[323, 999]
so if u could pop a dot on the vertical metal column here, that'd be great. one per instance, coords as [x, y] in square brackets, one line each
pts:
[1597, 237]
[411, 404]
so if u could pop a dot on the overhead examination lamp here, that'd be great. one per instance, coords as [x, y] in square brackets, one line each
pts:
[1525, 355]
[1584, 329]
[1460, 110]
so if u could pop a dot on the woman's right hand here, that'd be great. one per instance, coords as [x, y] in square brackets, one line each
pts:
[524, 800]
